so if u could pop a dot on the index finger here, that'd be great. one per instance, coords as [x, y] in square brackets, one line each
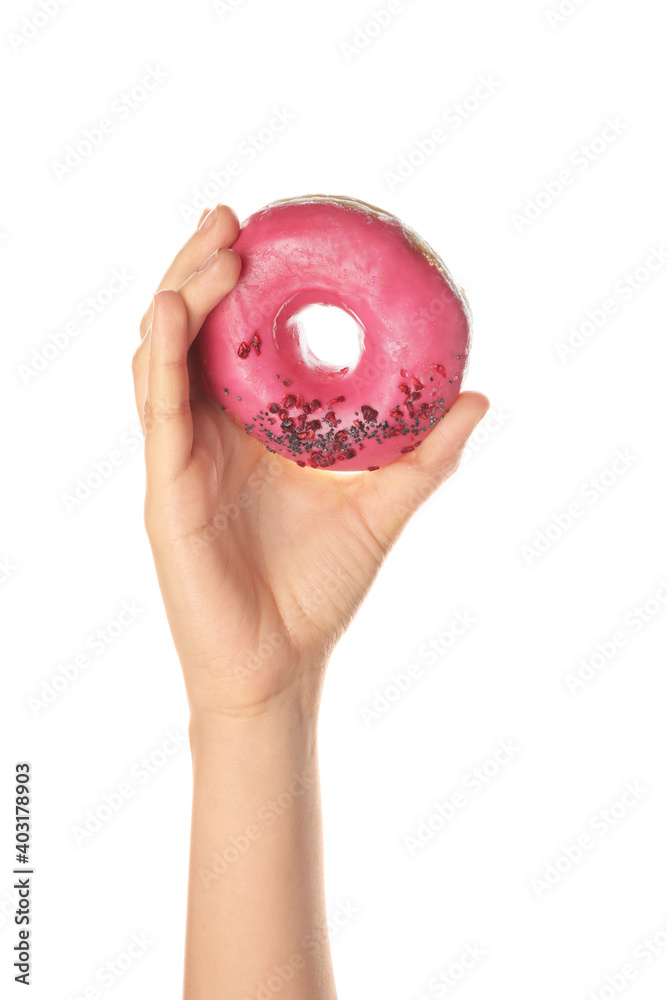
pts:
[216, 229]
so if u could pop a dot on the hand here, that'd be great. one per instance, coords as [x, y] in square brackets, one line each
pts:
[261, 563]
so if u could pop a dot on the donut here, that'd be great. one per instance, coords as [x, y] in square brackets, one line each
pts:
[413, 325]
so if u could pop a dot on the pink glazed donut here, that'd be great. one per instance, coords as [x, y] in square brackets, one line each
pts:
[414, 332]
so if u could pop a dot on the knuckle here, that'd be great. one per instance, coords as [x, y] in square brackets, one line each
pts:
[148, 418]
[156, 413]
[170, 365]
[151, 525]
[454, 465]
[144, 322]
[136, 361]
[172, 299]
[155, 511]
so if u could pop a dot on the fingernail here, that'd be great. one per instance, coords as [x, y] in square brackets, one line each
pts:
[209, 220]
[209, 260]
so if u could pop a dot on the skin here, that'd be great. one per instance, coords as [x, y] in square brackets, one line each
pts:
[261, 566]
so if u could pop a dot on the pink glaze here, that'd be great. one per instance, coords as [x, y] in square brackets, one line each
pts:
[416, 334]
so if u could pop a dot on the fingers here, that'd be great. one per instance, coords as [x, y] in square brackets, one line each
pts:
[396, 491]
[203, 216]
[208, 285]
[215, 229]
[167, 416]
[199, 293]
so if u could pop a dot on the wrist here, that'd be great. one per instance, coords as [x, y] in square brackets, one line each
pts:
[285, 724]
[237, 705]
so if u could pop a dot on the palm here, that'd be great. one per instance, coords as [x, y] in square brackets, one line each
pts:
[274, 559]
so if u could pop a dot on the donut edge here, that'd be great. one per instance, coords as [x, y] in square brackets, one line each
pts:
[345, 201]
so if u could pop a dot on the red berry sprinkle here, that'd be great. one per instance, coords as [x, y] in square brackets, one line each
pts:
[289, 402]
[244, 349]
[416, 383]
[340, 435]
[336, 399]
[373, 468]
[313, 425]
[256, 342]
[273, 408]
[415, 396]
[410, 447]
[283, 414]
[318, 460]
[315, 404]
[286, 382]
[403, 387]
[330, 417]
[369, 413]
[441, 370]
[396, 413]
[359, 424]
[288, 424]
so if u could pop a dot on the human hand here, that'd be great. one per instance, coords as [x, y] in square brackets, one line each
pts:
[261, 563]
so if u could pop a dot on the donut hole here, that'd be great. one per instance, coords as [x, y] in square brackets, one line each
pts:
[329, 337]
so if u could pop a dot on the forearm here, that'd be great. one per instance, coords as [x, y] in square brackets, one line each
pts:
[256, 909]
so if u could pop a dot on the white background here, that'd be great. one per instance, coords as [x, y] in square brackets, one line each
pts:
[360, 99]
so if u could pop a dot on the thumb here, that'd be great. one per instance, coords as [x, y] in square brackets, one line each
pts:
[396, 491]
[441, 451]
